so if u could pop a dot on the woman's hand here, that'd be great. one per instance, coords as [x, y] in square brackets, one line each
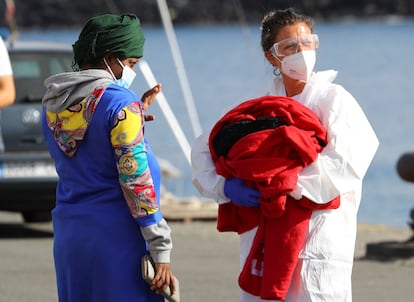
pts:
[148, 97]
[163, 278]
[241, 194]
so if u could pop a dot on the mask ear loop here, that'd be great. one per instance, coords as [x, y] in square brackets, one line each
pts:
[120, 63]
[109, 69]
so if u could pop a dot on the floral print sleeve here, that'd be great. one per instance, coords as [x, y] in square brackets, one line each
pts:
[127, 140]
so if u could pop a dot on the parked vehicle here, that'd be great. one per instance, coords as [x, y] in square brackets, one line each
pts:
[27, 174]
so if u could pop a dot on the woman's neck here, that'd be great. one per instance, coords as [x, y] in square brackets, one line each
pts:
[293, 87]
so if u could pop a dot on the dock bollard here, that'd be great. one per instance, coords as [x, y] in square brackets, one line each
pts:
[405, 169]
[390, 250]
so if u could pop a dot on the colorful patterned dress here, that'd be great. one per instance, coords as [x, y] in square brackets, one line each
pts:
[109, 188]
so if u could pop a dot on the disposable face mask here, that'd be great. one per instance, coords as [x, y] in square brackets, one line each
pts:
[299, 66]
[128, 76]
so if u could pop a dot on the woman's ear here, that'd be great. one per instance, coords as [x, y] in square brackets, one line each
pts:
[271, 59]
[109, 57]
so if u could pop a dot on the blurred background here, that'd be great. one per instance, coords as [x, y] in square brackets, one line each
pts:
[369, 42]
[64, 13]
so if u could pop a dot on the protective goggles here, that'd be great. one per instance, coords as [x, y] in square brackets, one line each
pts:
[291, 45]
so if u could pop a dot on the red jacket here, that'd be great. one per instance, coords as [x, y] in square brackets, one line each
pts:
[270, 160]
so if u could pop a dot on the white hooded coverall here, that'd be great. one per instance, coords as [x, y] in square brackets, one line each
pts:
[324, 268]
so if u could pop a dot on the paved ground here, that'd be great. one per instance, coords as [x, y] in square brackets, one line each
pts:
[205, 261]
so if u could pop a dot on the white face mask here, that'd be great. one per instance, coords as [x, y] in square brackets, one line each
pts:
[299, 66]
[128, 76]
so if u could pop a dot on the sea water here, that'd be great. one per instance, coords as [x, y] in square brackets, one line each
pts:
[225, 65]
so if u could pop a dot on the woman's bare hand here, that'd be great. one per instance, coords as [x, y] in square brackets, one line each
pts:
[148, 97]
[163, 278]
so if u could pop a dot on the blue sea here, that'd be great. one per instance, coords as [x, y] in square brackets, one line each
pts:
[225, 65]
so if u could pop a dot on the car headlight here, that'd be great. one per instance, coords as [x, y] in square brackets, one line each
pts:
[31, 116]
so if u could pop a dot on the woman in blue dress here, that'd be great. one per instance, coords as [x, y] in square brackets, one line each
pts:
[107, 213]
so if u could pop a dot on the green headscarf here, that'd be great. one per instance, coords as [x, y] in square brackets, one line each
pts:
[117, 34]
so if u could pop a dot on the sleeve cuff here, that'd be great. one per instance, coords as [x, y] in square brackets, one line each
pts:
[296, 193]
[158, 237]
[151, 219]
[222, 198]
[161, 257]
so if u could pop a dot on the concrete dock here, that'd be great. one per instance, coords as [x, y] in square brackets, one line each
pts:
[205, 261]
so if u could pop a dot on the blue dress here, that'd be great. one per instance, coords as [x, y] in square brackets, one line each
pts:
[97, 242]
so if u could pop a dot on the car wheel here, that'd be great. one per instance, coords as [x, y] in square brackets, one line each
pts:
[37, 216]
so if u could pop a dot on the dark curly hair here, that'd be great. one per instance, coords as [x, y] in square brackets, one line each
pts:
[274, 20]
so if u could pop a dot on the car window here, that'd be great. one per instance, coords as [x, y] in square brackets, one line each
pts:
[57, 65]
[31, 69]
[26, 68]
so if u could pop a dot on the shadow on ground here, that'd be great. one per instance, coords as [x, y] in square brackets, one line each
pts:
[20, 230]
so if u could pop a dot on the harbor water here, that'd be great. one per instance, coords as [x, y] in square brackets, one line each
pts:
[225, 65]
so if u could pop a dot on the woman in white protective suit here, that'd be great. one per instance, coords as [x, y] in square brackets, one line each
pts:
[324, 263]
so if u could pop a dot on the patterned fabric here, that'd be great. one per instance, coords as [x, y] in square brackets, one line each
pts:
[130, 153]
[69, 126]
